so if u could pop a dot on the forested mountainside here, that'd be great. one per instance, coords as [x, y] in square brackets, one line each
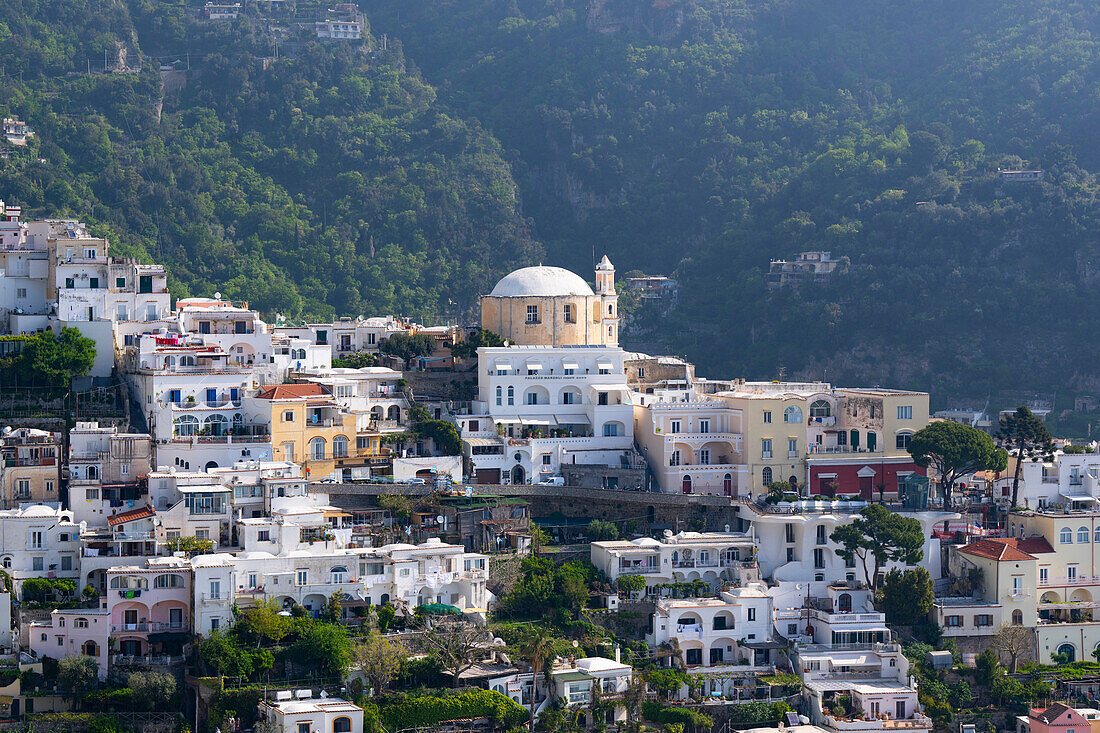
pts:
[328, 181]
[702, 138]
[695, 138]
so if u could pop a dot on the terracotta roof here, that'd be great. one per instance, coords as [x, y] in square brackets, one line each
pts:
[1034, 545]
[132, 515]
[291, 392]
[1002, 549]
[1055, 711]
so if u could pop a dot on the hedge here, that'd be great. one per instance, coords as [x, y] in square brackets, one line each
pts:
[656, 713]
[411, 712]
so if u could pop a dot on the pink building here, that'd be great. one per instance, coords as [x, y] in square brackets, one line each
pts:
[72, 632]
[1058, 718]
[150, 609]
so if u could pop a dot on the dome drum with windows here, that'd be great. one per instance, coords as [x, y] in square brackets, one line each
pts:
[551, 306]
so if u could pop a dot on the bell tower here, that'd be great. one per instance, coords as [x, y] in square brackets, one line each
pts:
[609, 302]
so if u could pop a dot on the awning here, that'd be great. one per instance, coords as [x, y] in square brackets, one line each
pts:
[534, 365]
[1080, 497]
[549, 420]
[504, 366]
[482, 441]
[570, 364]
[604, 364]
[572, 419]
[826, 475]
[506, 420]
[610, 388]
[330, 515]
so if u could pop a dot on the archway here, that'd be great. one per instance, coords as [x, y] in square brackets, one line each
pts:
[685, 484]
[394, 413]
[90, 649]
[727, 485]
[519, 476]
[211, 464]
[1069, 652]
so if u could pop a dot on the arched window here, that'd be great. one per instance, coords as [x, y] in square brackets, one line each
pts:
[216, 425]
[339, 447]
[511, 395]
[90, 649]
[341, 725]
[820, 408]
[766, 476]
[1069, 652]
[844, 602]
[81, 623]
[1083, 535]
[902, 440]
[872, 441]
[317, 449]
[1017, 617]
[129, 582]
[7, 562]
[93, 472]
[338, 573]
[394, 413]
[500, 393]
[1066, 536]
[168, 581]
[238, 419]
[792, 414]
[185, 426]
[187, 361]
[1096, 535]
[685, 484]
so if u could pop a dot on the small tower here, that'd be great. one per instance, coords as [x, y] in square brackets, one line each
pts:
[609, 303]
[605, 277]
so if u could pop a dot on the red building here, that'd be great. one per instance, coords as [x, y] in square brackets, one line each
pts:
[867, 476]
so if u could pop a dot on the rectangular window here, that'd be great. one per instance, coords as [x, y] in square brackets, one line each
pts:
[767, 416]
[674, 427]
[1043, 574]
[790, 554]
[36, 540]
[532, 314]
[819, 558]
[792, 447]
[983, 620]
[21, 292]
[303, 577]
[766, 448]
[546, 460]
[570, 313]
[66, 562]
[675, 459]
[821, 534]
[1071, 576]
[120, 282]
[704, 457]
[905, 412]
[89, 254]
[91, 494]
[704, 426]
[37, 564]
[70, 283]
[752, 614]
[93, 283]
[789, 532]
[264, 535]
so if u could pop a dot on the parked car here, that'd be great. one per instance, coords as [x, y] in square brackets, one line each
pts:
[552, 481]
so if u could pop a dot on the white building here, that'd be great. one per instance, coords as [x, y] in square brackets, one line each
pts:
[718, 558]
[727, 635]
[540, 407]
[1069, 479]
[339, 30]
[845, 655]
[300, 712]
[346, 336]
[794, 546]
[38, 541]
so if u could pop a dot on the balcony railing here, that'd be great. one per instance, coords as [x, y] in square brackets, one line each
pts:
[639, 570]
[1066, 580]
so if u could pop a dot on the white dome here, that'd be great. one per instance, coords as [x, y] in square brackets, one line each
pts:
[541, 282]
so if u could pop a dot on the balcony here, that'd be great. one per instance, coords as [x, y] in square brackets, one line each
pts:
[765, 455]
[853, 724]
[160, 660]
[1064, 580]
[140, 626]
[639, 569]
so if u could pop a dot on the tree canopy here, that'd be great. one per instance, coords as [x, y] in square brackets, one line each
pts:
[879, 536]
[955, 450]
[1023, 432]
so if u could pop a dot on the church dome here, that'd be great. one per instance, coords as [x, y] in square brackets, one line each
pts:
[541, 281]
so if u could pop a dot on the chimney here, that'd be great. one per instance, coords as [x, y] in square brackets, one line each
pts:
[617, 654]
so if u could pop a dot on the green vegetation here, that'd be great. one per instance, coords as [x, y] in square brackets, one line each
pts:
[955, 450]
[702, 138]
[686, 717]
[47, 359]
[406, 345]
[544, 589]
[1024, 434]
[907, 596]
[429, 709]
[327, 181]
[480, 338]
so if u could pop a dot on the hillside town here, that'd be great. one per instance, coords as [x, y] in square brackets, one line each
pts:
[215, 522]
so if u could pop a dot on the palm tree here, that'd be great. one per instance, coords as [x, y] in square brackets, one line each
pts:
[536, 650]
[671, 650]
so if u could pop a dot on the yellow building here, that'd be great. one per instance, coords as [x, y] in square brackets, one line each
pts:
[1067, 580]
[309, 428]
[550, 306]
[828, 439]
[30, 471]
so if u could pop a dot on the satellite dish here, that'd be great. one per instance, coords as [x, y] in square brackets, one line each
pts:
[218, 296]
[439, 518]
[575, 645]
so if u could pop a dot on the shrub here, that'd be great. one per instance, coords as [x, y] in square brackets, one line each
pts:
[430, 710]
